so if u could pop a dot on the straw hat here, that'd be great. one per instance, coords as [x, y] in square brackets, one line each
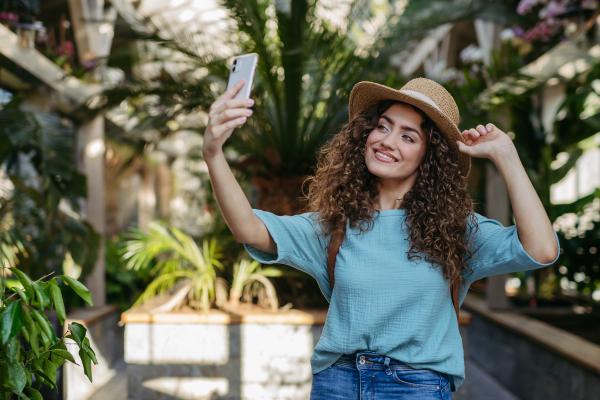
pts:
[425, 94]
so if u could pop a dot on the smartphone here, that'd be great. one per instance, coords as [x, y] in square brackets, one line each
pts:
[244, 67]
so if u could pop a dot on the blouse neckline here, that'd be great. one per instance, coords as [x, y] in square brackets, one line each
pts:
[394, 212]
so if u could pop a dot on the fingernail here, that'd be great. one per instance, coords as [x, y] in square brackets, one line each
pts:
[248, 112]
[457, 143]
[250, 102]
[488, 129]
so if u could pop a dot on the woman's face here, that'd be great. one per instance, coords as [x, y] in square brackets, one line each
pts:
[396, 148]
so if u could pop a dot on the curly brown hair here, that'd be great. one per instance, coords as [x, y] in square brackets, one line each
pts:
[439, 207]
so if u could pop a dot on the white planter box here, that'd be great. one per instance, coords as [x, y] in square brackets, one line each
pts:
[230, 356]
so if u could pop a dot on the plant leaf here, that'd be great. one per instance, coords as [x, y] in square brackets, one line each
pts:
[78, 332]
[64, 354]
[45, 326]
[57, 299]
[16, 375]
[25, 281]
[88, 348]
[45, 379]
[79, 288]
[34, 394]
[23, 295]
[33, 333]
[12, 321]
[87, 363]
[42, 296]
[50, 371]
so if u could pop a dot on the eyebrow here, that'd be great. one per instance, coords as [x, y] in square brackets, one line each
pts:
[407, 128]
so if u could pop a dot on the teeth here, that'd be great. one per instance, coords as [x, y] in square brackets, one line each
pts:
[384, 156]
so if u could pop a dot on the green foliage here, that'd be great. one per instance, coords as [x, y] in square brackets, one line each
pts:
[123, 285]
[250, 279]
[306, 70]
[175, 259]
[23, 324]
[516, 103]
[37, 150]
[579, 261]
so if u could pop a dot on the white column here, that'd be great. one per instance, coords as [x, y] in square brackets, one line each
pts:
[92, 149]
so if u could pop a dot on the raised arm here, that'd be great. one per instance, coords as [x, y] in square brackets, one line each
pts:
[533, 225]
[225, 115]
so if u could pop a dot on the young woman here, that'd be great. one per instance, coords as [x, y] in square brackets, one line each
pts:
[391, 187]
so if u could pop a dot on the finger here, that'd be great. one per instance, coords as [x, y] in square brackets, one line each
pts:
[481, 129]
[490, 127]
[219, 107]
[463, 148]
[466, 136]
[229, 93]
[229, 126]
[229, 114]
[473, 134]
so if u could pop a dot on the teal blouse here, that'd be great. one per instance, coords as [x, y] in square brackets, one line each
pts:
[382, 301]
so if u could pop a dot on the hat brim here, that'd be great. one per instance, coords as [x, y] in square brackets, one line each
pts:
[366, 94]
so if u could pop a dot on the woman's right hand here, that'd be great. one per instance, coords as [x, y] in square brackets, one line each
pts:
[224, 116]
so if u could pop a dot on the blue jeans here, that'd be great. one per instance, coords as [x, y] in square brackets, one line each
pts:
[367, 375]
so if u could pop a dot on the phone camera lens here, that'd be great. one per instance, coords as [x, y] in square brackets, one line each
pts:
[235, 61]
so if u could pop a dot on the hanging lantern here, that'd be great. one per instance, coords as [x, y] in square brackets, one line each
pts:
[576, 18]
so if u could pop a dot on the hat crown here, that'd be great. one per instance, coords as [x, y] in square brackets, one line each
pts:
[436, 93]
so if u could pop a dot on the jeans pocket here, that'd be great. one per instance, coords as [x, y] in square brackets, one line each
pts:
[418, 378]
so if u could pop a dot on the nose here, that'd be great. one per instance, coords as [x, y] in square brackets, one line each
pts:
[388, 142]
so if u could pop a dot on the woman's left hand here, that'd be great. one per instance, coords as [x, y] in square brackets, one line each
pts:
[485, 142]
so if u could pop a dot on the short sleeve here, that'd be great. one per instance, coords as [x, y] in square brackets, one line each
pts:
[498, 250]
[298, 245]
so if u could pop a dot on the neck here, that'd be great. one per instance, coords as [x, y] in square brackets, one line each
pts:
[391, 193]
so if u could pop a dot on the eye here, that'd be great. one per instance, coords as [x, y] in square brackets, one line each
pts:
[382, 126]
[408, 136]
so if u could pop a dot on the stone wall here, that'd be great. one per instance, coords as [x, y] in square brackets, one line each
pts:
[534, 360]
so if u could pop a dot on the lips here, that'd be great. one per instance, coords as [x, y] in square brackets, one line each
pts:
[383, 159]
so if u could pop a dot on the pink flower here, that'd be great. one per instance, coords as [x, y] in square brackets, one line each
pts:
[525, 6]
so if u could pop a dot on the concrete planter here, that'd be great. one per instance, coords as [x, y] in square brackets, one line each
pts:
[219, 355]
[192, 355]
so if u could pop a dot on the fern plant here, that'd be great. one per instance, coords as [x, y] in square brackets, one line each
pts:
[30, 352]
[249, 280]
[176, 260]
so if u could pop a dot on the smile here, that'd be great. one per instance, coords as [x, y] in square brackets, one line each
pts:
[383, 157]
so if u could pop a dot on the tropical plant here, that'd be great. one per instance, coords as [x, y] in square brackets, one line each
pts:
[176, 261]
[30, 352]
[307, 67]
[547, 156]
[250, 280]
[40, 200]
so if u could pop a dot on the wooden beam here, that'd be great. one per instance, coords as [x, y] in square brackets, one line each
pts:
[45, 70]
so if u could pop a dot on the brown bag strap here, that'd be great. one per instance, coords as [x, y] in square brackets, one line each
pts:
[334, 248]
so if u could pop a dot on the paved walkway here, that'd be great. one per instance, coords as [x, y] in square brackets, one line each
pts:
[481, 386]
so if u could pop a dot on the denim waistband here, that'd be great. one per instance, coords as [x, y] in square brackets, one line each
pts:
[371, 360]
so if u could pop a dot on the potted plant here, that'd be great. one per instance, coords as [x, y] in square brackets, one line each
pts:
[206, 331]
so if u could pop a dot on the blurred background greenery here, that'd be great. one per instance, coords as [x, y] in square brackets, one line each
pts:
[162, 72]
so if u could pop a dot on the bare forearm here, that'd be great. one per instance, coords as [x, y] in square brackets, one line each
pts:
[533, 225]
[237, 211]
